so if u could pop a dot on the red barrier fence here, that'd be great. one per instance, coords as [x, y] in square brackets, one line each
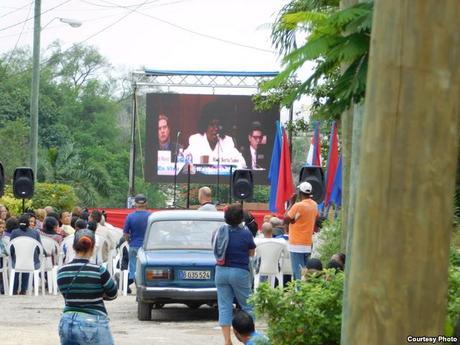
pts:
[117, 216]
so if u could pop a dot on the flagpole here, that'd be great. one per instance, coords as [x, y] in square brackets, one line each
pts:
[291, 118]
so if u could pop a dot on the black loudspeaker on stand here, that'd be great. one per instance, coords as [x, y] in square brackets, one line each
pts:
[242, 184]
[23, 184]
[2, 180]
[315, 176]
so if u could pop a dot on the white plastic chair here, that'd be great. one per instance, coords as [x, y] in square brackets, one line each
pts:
[4, 269]
[269, 253]
[117, 233]
[50, 261]
[123, 272]
[66, 254]
[97, 258]
[286, 267]
[24, 249]
[6, 240]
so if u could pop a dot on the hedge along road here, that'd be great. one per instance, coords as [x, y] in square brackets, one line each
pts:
[29, 320]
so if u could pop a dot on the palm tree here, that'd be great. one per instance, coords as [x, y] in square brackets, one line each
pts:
[335, 37]
[283, 35]
[64, 165]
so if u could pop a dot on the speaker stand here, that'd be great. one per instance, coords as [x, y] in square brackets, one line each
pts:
[188, 185]
[230, 178]
[23, 205]
[218, 172]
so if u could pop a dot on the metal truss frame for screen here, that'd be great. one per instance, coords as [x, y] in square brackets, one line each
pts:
[179, 79]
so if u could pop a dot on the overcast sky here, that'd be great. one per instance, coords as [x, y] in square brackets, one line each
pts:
[157, 34]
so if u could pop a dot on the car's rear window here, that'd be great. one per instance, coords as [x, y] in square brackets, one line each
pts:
[181, 234]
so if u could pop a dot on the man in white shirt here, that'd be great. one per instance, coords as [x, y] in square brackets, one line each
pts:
[205, 199]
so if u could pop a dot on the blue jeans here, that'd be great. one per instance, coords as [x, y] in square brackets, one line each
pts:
[82, 329]
[132, 262]
[298, 261]
[232, 282]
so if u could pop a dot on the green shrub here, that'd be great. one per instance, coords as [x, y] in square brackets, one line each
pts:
[60, 196]
[329, 239]
[13, 204]
[453, 287]
[306, 312]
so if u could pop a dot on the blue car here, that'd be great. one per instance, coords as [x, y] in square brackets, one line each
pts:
[176, 263]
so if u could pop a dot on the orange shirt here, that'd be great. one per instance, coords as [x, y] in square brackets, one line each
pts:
[304, 212]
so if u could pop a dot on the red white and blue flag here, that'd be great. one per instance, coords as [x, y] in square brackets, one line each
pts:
[285, 187]
[336, 192]
[314, 152]
[274, 171]
[332, 162]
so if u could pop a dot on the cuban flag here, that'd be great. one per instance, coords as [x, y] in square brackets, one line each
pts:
[336, 192]
[314, 152]
[275, 167]
[285, 188]
[332, 161]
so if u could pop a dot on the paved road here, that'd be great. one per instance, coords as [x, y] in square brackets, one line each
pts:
[28, 320]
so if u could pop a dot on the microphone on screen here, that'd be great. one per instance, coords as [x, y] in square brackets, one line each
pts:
[220, 132]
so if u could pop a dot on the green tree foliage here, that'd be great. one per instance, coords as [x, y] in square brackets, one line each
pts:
[80, 137]
[14, 137]
[157, 194]
[334, 38]
[65, 166]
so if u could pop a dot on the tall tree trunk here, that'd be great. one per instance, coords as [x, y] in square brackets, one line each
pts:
[397, 277]
[347, 143]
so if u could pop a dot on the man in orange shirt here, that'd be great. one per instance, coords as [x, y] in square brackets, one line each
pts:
[301, 218]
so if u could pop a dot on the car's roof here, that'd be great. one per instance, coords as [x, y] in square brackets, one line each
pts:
[186, 215]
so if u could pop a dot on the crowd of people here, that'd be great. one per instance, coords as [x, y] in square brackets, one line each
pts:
[85, 284]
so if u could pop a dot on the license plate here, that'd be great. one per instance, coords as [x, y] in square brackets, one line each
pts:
[197, 275]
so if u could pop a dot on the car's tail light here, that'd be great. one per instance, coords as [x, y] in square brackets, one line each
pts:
[157, 274]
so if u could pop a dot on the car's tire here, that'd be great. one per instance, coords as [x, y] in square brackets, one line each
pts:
[144, 311]
[158, 305]
[193, 305]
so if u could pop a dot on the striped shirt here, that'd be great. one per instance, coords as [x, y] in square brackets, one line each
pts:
[87, 292]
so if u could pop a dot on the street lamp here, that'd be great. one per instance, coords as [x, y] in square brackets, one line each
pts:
[72, 22]
[36, 81]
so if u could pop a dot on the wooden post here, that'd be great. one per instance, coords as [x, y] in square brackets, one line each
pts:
[347, 134]
[347, 143]
[397, 277]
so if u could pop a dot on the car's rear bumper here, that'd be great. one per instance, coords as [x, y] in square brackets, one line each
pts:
[174, 294]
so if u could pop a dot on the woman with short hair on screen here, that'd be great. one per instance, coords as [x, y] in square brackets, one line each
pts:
[211, 144]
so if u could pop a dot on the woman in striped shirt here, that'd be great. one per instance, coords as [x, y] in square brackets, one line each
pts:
[84, 287]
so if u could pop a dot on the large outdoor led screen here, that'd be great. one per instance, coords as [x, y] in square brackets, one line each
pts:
[209, 135]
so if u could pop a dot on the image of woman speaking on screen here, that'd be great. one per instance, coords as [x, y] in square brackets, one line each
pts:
[211, 144]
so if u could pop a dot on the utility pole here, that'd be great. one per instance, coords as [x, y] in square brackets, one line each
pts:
[132, 153]
[397, 273]
[35, 90]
